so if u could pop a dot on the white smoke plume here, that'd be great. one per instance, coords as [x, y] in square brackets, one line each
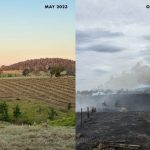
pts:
[138, 75]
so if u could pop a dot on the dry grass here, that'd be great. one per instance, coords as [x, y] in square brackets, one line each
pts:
[14, 137]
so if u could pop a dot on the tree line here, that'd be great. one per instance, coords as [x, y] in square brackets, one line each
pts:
[51, 71]
[42, 65]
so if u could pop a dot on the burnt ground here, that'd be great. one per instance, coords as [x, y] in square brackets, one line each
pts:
[128, 127]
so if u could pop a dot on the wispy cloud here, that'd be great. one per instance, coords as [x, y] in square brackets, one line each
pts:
[102, 48]
[95, 33]
[146, 37]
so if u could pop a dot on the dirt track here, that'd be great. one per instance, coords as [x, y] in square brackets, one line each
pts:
[131, 127]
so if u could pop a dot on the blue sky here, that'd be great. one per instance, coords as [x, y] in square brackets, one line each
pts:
[28, 30]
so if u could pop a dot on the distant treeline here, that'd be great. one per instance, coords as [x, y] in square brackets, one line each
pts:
[42, 64]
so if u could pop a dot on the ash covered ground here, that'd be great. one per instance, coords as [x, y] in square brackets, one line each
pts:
[132, 127]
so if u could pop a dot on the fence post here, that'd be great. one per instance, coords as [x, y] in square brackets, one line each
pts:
[81, 117]
[88, 113]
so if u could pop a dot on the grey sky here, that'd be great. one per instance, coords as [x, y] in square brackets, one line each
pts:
[113, 36]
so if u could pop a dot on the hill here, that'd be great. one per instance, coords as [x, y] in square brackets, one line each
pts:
[42, 64]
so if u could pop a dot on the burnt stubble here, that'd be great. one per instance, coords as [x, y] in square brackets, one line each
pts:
[114, 128]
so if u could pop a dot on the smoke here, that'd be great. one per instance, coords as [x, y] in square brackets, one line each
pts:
[116, 102]
[133, 99]
[90, 101]
[138, 75]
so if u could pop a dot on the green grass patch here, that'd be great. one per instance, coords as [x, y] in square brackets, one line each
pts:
[38, 112]
[68, 120]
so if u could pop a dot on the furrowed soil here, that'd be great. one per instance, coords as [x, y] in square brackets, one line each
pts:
[57, 92]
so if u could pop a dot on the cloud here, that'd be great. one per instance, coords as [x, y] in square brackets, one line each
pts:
[146, 37]
[101, 70]
[145, 52]
[97, 12]
[102, 48]
[95, 33]
[147, 59]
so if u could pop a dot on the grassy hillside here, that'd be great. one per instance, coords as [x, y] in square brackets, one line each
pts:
[56, 92]
[37, 112]
[39, 137]
[46, 105]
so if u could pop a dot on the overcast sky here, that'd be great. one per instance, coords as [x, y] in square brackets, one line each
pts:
[113, 43]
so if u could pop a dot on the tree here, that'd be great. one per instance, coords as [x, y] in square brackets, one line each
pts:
[17, 111]
[10, 75]
[117, 104]
[55, 71]
[52, 113]
[4, 111]
[26, 72]
[1, 71]
[52, 71]
[49, 71]
[69, 106]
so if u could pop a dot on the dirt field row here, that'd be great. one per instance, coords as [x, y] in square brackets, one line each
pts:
[58, 92]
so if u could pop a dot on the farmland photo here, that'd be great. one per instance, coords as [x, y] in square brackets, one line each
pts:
[37, 76]
[113, 75]
[37, 103]
[113, 119]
